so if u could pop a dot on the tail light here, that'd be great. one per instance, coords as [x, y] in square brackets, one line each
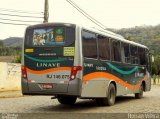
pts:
[24, 73]
[74, 71]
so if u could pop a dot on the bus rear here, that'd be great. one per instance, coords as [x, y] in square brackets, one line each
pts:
[48, 60]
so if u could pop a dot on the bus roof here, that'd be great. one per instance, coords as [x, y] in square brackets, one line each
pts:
[99, 31]
[49, 24]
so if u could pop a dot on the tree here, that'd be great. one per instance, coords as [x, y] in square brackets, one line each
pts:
[1, 43]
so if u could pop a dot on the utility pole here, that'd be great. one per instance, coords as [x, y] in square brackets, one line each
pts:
[46, 11]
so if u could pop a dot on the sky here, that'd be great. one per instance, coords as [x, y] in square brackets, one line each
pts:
[112, 13]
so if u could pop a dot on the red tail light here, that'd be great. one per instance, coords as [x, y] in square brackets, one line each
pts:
[74, 71]
[24, 73]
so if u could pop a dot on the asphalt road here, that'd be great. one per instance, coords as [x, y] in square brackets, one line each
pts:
[150, 103]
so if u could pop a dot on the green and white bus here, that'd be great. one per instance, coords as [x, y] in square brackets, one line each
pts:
[69, 61]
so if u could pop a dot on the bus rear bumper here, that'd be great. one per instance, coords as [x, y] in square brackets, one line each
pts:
[72, 89]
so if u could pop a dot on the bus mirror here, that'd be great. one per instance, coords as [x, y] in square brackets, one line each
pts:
[152, 58]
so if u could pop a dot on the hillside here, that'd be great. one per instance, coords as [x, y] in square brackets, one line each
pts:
[147, 35]
[13, 42]
[10, 47]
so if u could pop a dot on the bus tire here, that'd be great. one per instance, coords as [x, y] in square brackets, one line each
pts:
[140, 94]
[110, 99]
[66, 100]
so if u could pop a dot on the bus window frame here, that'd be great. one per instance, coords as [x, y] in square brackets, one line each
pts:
[108, 38]
[134, 56]
[146, 58]
[96, 44]
[111, 45]
[124, 53]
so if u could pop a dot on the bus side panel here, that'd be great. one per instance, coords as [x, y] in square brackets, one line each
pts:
[93, 86]
[121, 90]
[97, 77]
[97, 88]
[128, 77]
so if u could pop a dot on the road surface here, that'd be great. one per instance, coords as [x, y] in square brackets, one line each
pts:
[150, 103]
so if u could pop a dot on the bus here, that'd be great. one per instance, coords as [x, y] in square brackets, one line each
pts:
[70, 61]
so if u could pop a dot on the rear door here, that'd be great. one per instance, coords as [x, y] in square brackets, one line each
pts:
[48, 57]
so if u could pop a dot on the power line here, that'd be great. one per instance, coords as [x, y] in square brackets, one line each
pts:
[20, 11]
[86, 14]
[18, 20]
[19, 15]
[14, 23]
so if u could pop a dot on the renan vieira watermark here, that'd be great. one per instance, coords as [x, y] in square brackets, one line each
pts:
[9, 116]
[143, 115]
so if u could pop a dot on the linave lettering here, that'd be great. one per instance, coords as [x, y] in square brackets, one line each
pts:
[48, 65]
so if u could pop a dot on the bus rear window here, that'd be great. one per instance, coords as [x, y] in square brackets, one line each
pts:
[50, 36]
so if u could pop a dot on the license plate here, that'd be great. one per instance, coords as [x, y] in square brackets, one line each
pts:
[47, 86]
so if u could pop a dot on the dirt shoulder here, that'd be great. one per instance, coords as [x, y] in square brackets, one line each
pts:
[10, 94]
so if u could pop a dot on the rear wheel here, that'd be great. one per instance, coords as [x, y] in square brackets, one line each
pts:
[110, 99]
[140, 94]
[66, 100]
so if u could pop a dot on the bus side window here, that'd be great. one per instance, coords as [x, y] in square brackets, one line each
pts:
[142, 56]
[104, 47]
[115, 49]
[28, 36]
[147, 59]
[89, 44]
[125, 53]
[134, 54]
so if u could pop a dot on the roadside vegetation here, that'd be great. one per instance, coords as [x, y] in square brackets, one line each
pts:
[14, 53]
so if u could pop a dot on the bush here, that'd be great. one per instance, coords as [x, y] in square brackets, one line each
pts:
[18, 59]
